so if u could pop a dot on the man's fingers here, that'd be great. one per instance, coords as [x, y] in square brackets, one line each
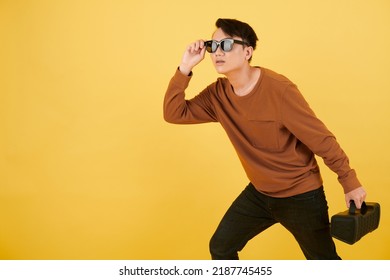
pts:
[196, 47]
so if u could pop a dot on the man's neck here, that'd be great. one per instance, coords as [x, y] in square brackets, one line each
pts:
[244, 80]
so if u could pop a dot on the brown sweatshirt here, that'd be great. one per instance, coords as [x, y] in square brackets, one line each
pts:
[273, 130]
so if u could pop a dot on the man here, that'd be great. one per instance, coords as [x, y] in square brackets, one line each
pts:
[275, 134]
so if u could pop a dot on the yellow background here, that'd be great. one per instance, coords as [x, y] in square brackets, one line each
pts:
[88, 167]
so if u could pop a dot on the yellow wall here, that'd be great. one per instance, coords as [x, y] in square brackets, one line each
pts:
[88, 167]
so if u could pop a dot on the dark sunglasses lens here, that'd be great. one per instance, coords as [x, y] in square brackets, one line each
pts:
[209, 46]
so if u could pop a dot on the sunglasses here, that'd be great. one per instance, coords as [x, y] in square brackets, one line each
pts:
[225, 44]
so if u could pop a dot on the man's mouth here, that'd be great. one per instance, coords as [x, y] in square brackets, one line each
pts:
[219, 62]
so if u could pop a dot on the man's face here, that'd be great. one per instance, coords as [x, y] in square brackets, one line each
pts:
[226, 62]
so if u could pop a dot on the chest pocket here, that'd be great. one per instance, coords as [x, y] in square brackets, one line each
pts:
[264, 134]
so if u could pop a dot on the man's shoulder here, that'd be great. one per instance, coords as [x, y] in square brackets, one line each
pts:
[221, 84]
[272, 76]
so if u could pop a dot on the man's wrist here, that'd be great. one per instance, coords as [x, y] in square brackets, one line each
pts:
[185, 70]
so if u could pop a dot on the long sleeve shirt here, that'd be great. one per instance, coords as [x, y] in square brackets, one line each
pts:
[273, 130]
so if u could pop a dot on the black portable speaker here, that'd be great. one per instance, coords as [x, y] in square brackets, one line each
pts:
[351, 225]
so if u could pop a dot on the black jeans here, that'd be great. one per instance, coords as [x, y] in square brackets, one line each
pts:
[305, 216]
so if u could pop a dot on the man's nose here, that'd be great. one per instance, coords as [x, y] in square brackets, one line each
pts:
[219, 51]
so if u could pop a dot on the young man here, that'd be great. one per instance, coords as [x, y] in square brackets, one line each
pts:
[275, 134]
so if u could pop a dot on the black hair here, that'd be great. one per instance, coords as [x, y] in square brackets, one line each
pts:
[233, 27]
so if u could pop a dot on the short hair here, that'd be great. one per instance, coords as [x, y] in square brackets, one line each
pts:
[233, 27]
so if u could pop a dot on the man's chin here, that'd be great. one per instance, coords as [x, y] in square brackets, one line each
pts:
[220, 70]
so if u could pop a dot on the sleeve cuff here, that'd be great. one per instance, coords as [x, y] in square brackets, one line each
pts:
[350, 183]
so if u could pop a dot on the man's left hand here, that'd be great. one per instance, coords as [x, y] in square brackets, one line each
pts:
[357, 195]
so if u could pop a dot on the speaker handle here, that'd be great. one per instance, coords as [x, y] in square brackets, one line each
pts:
[352, 208]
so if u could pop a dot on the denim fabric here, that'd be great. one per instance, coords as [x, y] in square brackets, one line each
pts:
[305, 216]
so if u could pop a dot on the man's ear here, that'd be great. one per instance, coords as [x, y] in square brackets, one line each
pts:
[248, 52]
